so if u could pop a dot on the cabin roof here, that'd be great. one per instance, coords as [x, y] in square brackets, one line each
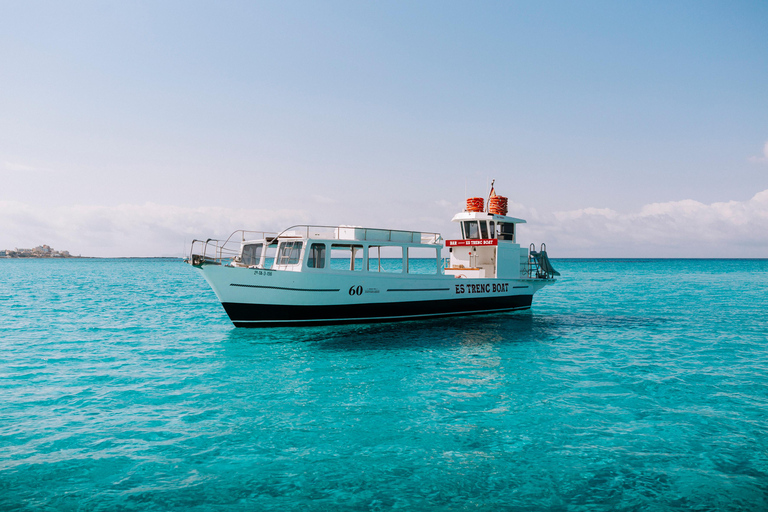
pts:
[462, 216]
[342, 234]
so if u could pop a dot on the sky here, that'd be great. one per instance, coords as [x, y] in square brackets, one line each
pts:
[616, 129]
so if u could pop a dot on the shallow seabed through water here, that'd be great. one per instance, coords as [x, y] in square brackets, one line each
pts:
[631, 385]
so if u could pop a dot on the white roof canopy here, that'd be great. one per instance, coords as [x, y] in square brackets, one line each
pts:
[459, 217]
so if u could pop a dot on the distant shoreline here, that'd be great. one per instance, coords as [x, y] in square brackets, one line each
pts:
[564, 258]
[41, 251]
[3, 257]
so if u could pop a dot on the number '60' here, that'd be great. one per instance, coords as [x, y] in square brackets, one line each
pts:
[356, 290]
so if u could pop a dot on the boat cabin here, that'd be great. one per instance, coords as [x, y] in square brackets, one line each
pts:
[345, 249]
[487, 247]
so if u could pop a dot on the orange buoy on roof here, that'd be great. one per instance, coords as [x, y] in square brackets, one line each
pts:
[475, 204]
[497, 205]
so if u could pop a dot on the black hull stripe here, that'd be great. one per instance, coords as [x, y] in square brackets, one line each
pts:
[339, 321]
[268, 315]
[284, 288]
[418, 289]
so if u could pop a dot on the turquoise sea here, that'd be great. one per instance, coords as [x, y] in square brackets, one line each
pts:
[630, 385]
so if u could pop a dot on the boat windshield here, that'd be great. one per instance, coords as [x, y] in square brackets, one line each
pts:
[289, 253]
[251, 254]
[470, 230]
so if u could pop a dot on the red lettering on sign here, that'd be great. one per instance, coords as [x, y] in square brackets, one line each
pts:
[471, 243]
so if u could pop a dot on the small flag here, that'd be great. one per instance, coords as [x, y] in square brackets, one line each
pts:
[492, 194]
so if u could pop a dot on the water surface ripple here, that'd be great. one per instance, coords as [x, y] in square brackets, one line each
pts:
[631, 385]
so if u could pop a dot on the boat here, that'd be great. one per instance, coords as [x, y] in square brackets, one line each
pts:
[317, 275]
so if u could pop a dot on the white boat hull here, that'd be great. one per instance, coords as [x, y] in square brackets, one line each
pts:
[260, 298]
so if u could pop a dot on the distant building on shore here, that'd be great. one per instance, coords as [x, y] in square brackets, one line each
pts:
[41, 251]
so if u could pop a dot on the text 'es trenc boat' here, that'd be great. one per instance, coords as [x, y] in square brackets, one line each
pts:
[310, 275]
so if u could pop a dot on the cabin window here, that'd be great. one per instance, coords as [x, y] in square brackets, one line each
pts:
[506, 231]
[483, 229]
[374, 258]
[251, 254]
[269, 255]
[295, 256]
[384, 258]
[347, 257]
[290, 253]
[491, 229]
[422, 260]
[316, 256]
[470, 230]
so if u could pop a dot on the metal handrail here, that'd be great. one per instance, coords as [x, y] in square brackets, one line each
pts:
[533, 269]
[429, 238]
[214, 250]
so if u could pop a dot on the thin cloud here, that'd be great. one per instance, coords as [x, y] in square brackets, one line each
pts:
[761, 159]
[129, 230]
[17, 167]
[323, 199]
[685, 228]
